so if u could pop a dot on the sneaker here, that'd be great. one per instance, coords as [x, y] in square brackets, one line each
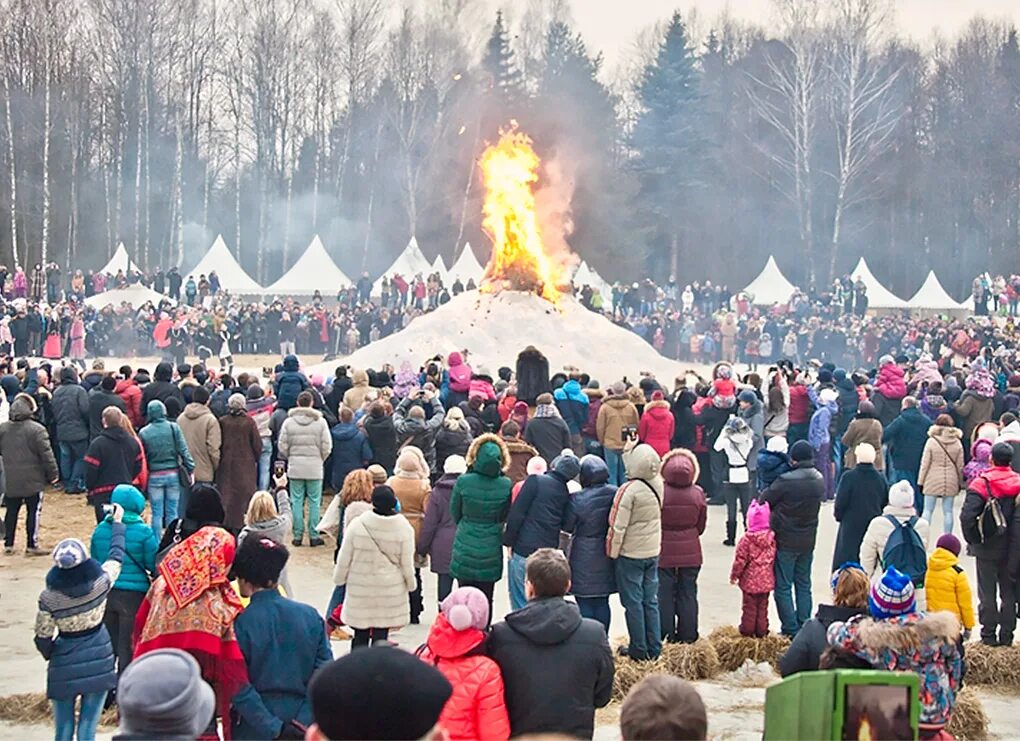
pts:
[9, 550]
[36, 552]
[296, 542]
[315, 542]
[339, 634]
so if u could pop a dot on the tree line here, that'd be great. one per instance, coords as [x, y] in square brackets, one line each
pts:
[819, 138]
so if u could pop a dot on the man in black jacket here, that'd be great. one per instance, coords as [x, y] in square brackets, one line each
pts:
[102, 396]
[547, 431]
[113, 458]
[795, 498]
[536, 519]
[165, 390]
[557, 667]
[70, 407]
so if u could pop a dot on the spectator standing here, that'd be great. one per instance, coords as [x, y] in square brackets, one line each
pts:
[438, 529]
[268, 516]
[351, 449]
[382, 436]
[753, 571]
[289, 383]
[572, 404]
[28, 465]
[547, 431]
[657, 424]
[416, 421]
[130, 393]
[70, 407]
[907, 552]
[615, 425]
[101, 397]
[305, 444]
[114, 457]
[906, 437]
[520, 451]
[260, 408]
[166, 452]
[410, 484]
[736, 441]
[237, 473]
[941, 472]
[862, 494]
[946, 586]
[864, 428]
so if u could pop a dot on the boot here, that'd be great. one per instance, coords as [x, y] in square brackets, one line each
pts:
[731, 533]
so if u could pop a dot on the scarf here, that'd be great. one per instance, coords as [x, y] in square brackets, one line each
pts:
[546, 410]
[980, 382]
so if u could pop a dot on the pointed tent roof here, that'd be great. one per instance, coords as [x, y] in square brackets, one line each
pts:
[135, 295]
[315, 269]
[931, 295]
[120, 261]
[439, 266]
[410, 262]
[879, 297]
[231, 274]
[587, 276]
[771, 286]
[467, 266]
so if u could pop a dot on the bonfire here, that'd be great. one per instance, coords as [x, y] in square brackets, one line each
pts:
[510, 173]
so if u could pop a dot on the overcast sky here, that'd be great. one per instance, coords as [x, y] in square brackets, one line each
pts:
[610, 26]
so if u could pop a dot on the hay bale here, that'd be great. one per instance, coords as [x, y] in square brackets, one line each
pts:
[630, 672]
[998, 666]
[968, 720]
[28, 708]
[691, 661]
[734, 649]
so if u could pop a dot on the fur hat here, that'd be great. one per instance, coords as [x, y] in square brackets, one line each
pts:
[236, 402]
[758, 516]
[466, 607]
[379, 475]
[949, 542]
[777, 445]
[901, 494]
[891, 595]
[747, 396]
[865, 453]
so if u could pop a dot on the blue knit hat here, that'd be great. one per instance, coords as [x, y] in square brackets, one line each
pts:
[70, 552]
[891, 595]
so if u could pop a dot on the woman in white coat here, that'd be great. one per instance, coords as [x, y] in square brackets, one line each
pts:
[900, 508]
[376, 562]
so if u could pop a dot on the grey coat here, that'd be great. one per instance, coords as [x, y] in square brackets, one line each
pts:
[277, 530]
[28, 459]
[70, 406]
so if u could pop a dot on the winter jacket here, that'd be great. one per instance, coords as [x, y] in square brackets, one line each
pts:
[520, 454]
[435, 538]
[460, 374]
[202, 434]
[771, 466]
[736, 446]
[131, 395]
[99, 399]
[684, 427]
[305, 443]
[980, 460]
[140, 542]
[890, 382]
[261, 411]
[382, 438]
[351, 451]
[862, 494]
[615, 413]
[917, 643]
[376, 562]
[753, 415]
[577, 668]
[28, 462]
[941, 473]
[413, 495]
[810, 642]
[877, 535]
[113, 458]
[795, 498]
[549, 435]
[164, 390]
[532, 373]
[1003, 483]
[476, 710]
[283, 642]
[906, 437]
[421, 433]
[592, 572]
[70, 406]
[277, 529]
[971, 411]
[451, 442]
[800, 405]
[573, 406]
[819, 431]
[946, 587]
[684, 512]
[538, 514]
[163, 442]
[237, 473]
[753, 562]
[354, 397]
[863, 430]
[289, 383]
[635, 522]
[657, 426]
[479, 506]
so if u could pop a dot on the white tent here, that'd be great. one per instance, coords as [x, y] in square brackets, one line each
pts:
[932, 296]
[438, 266]
[467, 267]
[120, 261]
[879, 297]
[771, 286]
[409, 264]
[314, 270]
[135, 295]
[587, 276]
[231, 274]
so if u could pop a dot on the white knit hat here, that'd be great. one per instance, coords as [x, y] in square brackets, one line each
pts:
[901, 494]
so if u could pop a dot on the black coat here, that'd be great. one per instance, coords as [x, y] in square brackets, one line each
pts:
[1006, 545]
[451, 442]
[862, 494]
[807, 647]
[166, 392]
[382, 436]
[592, 572]
[795, 498]
[113, 458]
[532, 375]
[549, 435]
[576, 675]
[538, 514]
[685, 431]
[98, 401]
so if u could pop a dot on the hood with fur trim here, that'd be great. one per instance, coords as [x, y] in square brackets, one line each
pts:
[491, 461]
[680, 468]
[908, 633]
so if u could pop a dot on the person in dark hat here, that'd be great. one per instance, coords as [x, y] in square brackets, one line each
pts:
[162, 695]
[795, 498]
[398, 697]
[205, 507]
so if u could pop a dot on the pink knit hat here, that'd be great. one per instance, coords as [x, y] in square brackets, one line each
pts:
[466, 607]
[758, 516]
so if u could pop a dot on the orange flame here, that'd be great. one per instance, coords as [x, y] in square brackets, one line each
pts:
[519, 261]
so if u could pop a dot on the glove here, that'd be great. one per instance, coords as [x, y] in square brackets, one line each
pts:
[292, 729]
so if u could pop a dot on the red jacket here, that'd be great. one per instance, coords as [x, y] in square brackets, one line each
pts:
[129, 391]
[1002, 480]
[753, 562]
[656, 426]
[700, 446]
[476, 709]
[800, 405]
[890, 382]
[684, 513]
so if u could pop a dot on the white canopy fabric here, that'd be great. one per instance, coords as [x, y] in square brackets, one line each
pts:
[587, 276]
[932, 296]
[231, 274]
[879, 297]
[409, 264]
[771, 286]
[120, 261]
[467, 266]
[314, 270]
[135, 295]
[438, 266]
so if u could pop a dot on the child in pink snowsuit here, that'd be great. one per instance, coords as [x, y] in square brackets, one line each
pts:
[753, 571]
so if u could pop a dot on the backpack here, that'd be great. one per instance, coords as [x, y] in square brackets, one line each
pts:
[905, 551]
[991, 523]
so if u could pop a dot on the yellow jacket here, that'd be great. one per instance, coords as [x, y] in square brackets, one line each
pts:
[947, 588]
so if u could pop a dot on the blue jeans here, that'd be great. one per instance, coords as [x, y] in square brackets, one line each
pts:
[617, 473]
[515, 580]
[72, 464]
[264, 460]
[88, 719]
[947, 512]
[301, 489]
[793, 575]
[164, 493]
[901, 474]
[638, 582]
[596, 608]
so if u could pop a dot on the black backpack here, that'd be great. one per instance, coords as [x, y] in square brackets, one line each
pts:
[991, 523]
[905, 550]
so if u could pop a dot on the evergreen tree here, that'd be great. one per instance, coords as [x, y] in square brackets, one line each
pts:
[670, 148]
[498, 63]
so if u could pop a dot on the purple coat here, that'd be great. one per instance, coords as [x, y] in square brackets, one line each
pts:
[438, 527]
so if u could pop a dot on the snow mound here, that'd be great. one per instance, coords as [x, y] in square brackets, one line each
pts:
[494, 328]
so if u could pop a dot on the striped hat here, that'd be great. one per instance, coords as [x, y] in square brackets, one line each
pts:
[891, 595]
[70, 552]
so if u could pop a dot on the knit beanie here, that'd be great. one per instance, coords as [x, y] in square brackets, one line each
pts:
[901, 494]
[162, 694]
[758, 517]
[537, 465]
[777, 445]
[866, 407]
[455, 464]
[379, 475]
[802, 452]
[891, 595]
[70, 552]
[236, 403]
[254, 392]
[466, 607]
[566, 465]
[747, 396]
[384, 501]
[865, 453]
[949, 542]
